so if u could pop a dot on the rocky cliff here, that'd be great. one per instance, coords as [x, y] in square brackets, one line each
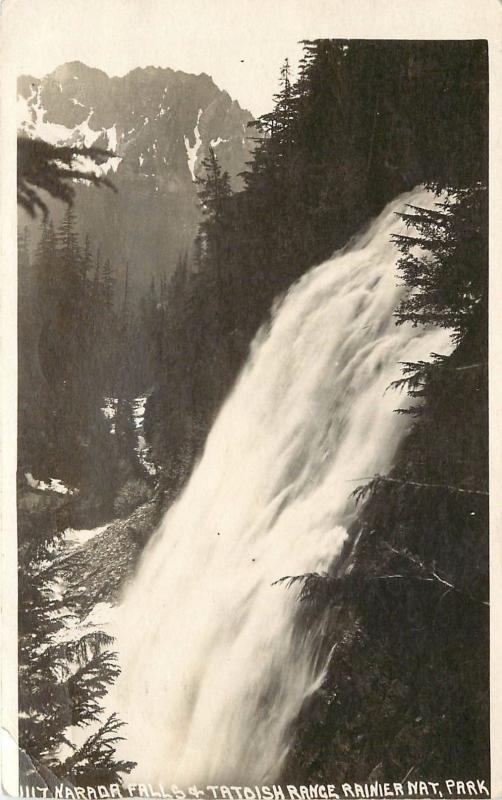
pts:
[159, 123]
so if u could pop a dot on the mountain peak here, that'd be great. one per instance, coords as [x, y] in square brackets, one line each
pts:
[76, 69]
[160, 124]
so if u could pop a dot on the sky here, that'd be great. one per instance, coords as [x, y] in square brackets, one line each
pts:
[240, 43]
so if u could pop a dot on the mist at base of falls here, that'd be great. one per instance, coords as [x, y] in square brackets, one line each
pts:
[214, 668]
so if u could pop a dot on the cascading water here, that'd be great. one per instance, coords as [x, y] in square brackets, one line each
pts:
[215, 670]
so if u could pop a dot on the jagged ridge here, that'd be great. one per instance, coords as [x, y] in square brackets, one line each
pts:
[159, 123]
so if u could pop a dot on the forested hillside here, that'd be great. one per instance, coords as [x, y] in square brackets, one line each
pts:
[364, 122]
[78, 338]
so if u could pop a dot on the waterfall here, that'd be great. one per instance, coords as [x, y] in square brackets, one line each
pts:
[215, 671]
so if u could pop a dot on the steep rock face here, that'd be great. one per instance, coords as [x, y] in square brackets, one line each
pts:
[160, 124]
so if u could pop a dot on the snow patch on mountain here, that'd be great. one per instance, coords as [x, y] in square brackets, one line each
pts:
[161, 123]
[86, 164]
[192, 152]
[216, 142]
[110, 165]
[111, 135]
[89, 135]
[31, 123]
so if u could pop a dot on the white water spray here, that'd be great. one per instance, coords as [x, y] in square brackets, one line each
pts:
[214, 669]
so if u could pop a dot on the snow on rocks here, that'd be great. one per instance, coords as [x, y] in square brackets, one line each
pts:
[215, 142]
[53, 485]
[109, 411]
[138, 412]
[142, 448]
[76, 538]
[31, 122]
[192, 152]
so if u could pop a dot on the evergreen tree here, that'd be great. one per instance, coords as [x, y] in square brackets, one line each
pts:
[86, 261]
[450, 289]
[107, 287]
[37, 283]
[96, 293]
[214, 188]
[215, 195]
[61, 684]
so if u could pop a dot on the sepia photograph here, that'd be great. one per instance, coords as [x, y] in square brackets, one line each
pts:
[250, 420]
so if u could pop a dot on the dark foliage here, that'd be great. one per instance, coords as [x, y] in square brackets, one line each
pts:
[95, 762]
[61, 683]
[76, 341]
[45, 167]
[72, 352]
[450, 286]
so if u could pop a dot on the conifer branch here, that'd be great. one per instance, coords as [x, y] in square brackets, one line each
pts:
[43, 166]
[430, 574]
[386, 479]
